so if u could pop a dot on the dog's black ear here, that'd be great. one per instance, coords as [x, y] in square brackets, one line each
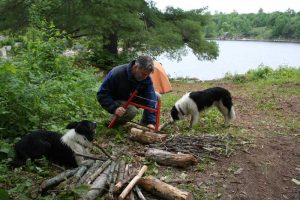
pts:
[174, 113]
[72, 125]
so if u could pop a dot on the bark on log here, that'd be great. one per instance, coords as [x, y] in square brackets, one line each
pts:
[132, 183]
[163, 190]
[98, 171]
[90, 171]
[146, 137]
[58, 179]
[97, 187]
[170, 159]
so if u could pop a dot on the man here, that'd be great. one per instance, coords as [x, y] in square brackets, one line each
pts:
[123, 80]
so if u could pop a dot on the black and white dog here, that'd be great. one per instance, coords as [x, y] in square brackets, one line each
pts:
[193, 103]
[55, 147]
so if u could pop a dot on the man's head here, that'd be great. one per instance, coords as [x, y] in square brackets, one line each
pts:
[142, 68]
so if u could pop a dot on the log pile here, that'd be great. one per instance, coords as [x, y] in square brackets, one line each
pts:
[113, 179]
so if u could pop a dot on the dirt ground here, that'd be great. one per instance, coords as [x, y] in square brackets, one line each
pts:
[265, 168]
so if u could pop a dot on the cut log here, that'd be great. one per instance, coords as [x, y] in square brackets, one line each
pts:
[163, 190]
[97, 187]
[132, 183]
[170, 159]
[58, 179]
[130, 125]
[146, 137]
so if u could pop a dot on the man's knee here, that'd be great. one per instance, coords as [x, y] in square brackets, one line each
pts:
[131, 112]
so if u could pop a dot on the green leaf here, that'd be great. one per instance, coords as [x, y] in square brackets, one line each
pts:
[3, 194]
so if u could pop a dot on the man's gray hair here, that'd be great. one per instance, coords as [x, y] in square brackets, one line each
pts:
[145, 63]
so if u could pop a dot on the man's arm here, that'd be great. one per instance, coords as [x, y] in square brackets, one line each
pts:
[104, 94]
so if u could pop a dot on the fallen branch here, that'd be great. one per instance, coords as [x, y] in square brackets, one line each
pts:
[132, 183]
[163, 190]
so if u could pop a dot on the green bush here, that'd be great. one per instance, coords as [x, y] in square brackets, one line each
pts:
[42, 89]
[264, 73]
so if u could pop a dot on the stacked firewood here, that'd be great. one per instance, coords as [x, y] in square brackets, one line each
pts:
[115, 180]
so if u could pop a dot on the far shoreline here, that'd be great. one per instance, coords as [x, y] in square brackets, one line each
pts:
[256, 40]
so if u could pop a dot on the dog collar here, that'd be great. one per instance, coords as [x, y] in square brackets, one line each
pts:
[180, 110]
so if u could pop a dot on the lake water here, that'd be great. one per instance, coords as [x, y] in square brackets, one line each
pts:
[236, 57]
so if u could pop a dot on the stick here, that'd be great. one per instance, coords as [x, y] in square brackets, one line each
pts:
[139, 192]
[90, 179]
[132, 183]
[97, 145]
[90, 156]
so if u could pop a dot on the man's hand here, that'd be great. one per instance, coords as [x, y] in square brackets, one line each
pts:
[120, 111]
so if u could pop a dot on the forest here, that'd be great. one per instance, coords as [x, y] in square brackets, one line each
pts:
[276, 26]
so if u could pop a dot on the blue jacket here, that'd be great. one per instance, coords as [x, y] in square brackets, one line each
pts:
[119, 84]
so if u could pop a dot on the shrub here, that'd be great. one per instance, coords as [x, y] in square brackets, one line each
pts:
[43, 90]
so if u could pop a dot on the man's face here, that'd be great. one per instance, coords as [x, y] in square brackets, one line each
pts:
[140, 74]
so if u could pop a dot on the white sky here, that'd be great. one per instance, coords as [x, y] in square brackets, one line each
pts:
[227, 6]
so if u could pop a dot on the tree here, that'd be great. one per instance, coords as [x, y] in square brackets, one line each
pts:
[120, 29]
